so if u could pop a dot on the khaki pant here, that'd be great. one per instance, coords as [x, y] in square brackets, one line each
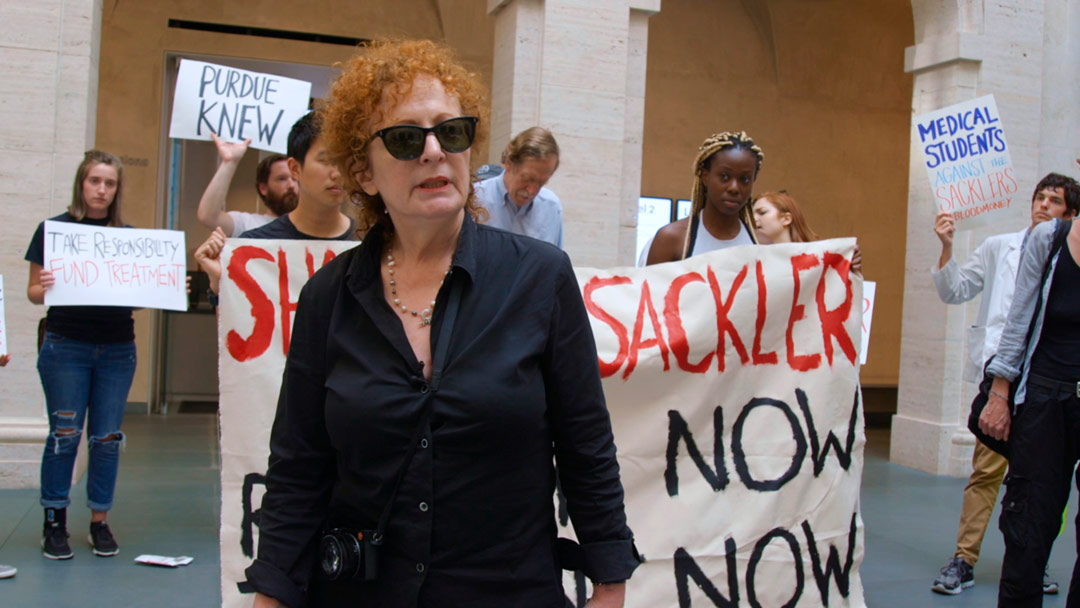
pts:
[979, 498]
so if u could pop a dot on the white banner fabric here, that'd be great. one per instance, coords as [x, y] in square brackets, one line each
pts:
[741, 471]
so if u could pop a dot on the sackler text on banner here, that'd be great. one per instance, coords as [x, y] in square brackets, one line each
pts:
[732, 382]
[102, 266]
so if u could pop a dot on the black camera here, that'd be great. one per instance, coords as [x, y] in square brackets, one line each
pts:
[350, 554]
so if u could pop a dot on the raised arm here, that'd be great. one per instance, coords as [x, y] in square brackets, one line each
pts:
[211, 212]
[945, 230]
[208, 255]
[955, 283]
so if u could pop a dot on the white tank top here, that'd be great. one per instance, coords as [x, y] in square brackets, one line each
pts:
[705, 242]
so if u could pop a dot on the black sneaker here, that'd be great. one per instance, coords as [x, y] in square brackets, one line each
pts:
[54, 543]
[956, 576]
[101, 539]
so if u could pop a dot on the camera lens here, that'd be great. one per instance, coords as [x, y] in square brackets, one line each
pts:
[339, 555]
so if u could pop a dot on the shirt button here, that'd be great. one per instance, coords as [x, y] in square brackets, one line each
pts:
[424, 507]
[419, 567]
[423, 443]
[424, 388]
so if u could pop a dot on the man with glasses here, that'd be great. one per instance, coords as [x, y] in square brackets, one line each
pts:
[517, 200]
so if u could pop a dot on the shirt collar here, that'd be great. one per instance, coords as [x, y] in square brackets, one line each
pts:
[504, 196]
[364, 268]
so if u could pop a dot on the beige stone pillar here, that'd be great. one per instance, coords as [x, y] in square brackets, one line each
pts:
[48, 111]
[577, 67]
[966, 49]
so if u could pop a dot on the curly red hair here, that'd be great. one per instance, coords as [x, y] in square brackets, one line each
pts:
[387, 69]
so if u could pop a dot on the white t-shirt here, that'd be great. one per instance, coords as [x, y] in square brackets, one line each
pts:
[244, 221]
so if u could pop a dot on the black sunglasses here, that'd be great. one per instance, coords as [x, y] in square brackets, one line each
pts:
[406, 142]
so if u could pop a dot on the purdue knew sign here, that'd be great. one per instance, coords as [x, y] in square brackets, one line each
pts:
[236, 105]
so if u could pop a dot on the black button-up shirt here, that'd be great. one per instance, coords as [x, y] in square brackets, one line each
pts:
[473, 522]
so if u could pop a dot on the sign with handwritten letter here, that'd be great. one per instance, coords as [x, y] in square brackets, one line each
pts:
[101, 266]
[236, 105]
[967, 160]
[3, 326]
[732, 382]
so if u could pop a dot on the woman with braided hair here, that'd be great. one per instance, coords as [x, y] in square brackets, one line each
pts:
[725, 170]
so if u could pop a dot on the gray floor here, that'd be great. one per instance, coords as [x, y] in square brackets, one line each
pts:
[168, 502]
[911, 520]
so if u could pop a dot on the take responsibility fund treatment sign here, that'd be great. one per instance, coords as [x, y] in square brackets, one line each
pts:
[102, 266]
[967, 161]
[732, 379]
[236, 105]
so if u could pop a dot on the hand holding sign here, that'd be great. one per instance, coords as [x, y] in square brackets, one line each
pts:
[945, 228]
[237, 105]
[230, 151]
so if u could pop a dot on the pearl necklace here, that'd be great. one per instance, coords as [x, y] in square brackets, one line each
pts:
[424, 315]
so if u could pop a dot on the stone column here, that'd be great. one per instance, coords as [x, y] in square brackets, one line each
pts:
[48, 112]
[577, 67]
[964, 49]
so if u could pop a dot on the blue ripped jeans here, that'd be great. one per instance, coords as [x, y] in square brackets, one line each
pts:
[84, 383]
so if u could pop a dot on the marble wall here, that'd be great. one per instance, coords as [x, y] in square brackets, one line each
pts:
[48, 117]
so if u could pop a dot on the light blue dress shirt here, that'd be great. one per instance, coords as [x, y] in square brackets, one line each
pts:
[541, 219]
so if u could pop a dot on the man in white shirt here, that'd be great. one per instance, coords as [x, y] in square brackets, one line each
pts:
[991, 270]
[517, 200]
[273, 181]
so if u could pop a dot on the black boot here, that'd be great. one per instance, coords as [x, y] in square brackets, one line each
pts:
[54, 542]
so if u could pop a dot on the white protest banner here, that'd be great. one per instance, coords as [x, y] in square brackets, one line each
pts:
[236, 104]
[732, 381]
[102, 266]
[741, 471]
[260, 285]
[3, 326]
[869, 289]
[967, 160]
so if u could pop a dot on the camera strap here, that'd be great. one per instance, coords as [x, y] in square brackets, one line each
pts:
[437, 363]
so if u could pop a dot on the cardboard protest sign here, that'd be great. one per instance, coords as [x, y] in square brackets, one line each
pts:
[967, 161]
[732, 382]
[3, 326]
[102, 266]
[869, 291]
[236, 105]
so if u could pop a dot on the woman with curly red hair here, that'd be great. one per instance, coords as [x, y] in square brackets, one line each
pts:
[436, 372]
